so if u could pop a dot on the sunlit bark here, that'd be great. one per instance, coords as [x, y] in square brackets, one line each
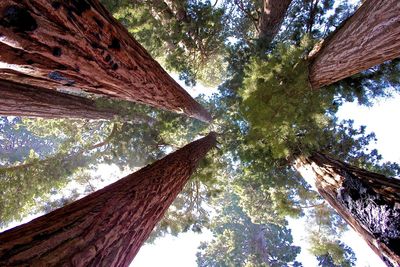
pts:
[78, 46]
[368, 38]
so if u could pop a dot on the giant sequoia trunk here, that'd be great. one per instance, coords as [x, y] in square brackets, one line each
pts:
[107, 227]
[271, 18]
[370, 37]
[29, 101]
[77, 45]
[369, 202]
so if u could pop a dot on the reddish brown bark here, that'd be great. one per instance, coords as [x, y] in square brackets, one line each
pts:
[29, 101]
[77, 45]
[369, 202]
[271, 18]
[107, 227]
[370, 37]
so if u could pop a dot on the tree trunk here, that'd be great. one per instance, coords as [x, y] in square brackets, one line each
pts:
[271, 18]
[368, 38]
[78, 46]
[29, 101]
[369, 202]
[108, 227]
[259, 243]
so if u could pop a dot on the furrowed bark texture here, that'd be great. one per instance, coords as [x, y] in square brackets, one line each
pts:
[77, 45]
[107, 227]
[271, 18]
[29, 101]
[368, 201]
[368, 38]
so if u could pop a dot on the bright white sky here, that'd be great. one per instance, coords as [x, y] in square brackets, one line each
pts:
[380, 118]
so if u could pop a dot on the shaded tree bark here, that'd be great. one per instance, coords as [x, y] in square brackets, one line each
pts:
[369, 202]
[368, 38]
[107, 227]
[259, 243]
[78, 46]
[311, 18]
[271, 18]
[29, 101]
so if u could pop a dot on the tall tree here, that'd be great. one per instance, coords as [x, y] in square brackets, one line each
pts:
[59, 45]
[368, 201]
[189, 39]
[109, 226]
[259, 21]
[368, 38]
[271, 18]
[284, 119]
[30, 101]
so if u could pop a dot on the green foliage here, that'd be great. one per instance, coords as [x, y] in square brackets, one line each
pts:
[189, 38]
[82, 146]
[316, 18]
[380, 81]
[147, 136]
[282, 110]
[324, 233]
[22, 185]
[342, 256]
[17, 142]
[190, 210]
[269, 197]
[240, 242]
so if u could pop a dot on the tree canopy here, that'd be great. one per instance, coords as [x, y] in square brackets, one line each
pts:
[265, 113]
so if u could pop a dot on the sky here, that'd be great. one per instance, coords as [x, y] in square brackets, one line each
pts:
[180, 251]
[381, 118]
